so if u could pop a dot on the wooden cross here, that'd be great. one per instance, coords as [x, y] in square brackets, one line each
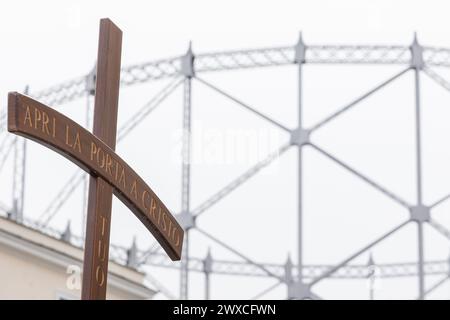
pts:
[94, 152]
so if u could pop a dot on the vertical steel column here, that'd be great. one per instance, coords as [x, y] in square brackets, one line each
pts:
[207, 269]
[24, 167]
[86, 176]
[184, 268]
[18, 178]
[371, 276]
[188, 72]
[288, 279]
[418, 137]
[300, 59]
[417, 64]
[15, 205]
[207, 287]
[185, 188]
[90, 90]
[421, 261]
[372, 289]
[186, 168]
[19, 171]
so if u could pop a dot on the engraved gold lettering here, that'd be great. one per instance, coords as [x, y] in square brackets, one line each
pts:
[159, 215]
[54, 127]
[177, 237]
[45, 121]
[28, 117]
[164, 220]
[144, 193]
[108, 164]
[101, 253]
[122, 178]
[100, 157]
[103, 225]
[153, 208]
[67, 136]
[117, 171]
[100, 275]
[134, 189]
[77, 143]
[37, 117]
[93, 150]
[170, 228]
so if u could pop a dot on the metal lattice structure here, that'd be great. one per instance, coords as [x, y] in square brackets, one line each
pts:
[186, 70]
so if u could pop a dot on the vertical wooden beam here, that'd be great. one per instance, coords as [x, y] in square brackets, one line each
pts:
[96, 252]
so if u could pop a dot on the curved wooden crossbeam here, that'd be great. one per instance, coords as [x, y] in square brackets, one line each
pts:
[32, 119]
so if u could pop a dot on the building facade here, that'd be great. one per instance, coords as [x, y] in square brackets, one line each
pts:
[34, 265]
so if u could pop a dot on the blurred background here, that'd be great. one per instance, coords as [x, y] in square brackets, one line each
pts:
[280, 133]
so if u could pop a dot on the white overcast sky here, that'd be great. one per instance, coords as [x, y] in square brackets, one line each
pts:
[46, 42]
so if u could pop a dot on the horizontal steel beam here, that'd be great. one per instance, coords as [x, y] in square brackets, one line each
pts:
[351, 271]
[245, 59]
[239, 268]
